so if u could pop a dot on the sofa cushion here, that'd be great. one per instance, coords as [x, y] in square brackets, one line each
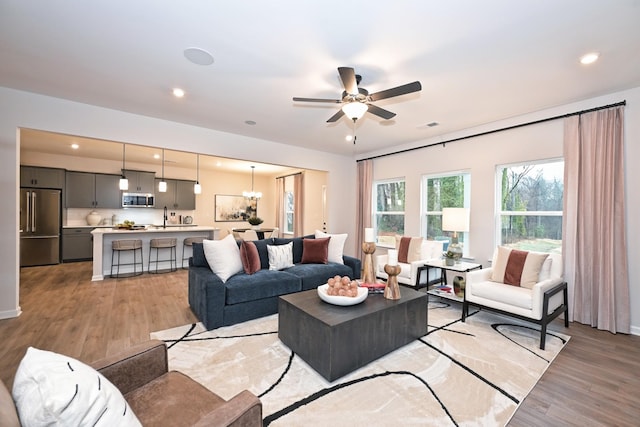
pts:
[315, 251]
[298, 246]
[263, 284]
[261, 246]
[53, 389]
[336, 245]
[280, 256]
[223, 257]
[250, 257]
[517, 268]
[409, 249]
[198, 258]
[314, 275]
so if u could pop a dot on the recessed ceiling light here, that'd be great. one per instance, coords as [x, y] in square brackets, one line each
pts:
[198, 56]
[250, 122]
[178, 93]
[589, 58]
[348, 137]
[156, 156]
[75, 146]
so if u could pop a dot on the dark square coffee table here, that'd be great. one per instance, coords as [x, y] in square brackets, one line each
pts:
[336, 340]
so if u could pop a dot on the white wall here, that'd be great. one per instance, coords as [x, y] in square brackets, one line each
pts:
[480, 155]
[24, 109]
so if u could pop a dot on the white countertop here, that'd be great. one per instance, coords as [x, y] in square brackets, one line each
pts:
[111, 226]
[153, 229]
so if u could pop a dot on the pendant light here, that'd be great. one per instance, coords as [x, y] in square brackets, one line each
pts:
[252, 195]
[197, 189]
[162, 186]
[124, 182]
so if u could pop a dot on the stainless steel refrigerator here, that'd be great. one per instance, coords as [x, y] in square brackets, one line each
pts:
[39, 227]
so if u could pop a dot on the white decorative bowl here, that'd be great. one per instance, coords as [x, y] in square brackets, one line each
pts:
[338, 300]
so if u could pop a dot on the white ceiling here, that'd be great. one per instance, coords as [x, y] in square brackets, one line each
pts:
[478, 61]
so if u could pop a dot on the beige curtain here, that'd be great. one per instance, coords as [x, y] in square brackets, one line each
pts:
[594, 242]
[364, 188]
[298, 199]
[280, 204]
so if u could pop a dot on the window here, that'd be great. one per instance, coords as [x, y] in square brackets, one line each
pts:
[444, 191]
[388, 210]
[288, 212]
[530, 200]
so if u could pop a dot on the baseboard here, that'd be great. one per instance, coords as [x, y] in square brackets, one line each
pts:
[9, 314]
[635, 330]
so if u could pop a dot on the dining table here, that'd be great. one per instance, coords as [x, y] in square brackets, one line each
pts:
[259, 231]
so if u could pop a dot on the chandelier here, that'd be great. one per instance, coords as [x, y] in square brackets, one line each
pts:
[252, 195]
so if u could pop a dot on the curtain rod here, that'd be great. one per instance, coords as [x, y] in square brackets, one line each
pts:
[291, 174]
[548, 119]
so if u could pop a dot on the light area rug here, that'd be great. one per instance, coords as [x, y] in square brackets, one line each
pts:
[468, 374]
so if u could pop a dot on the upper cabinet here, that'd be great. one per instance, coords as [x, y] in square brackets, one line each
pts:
[37, 177]
[140, 181]
[92, 190]
[179, 195]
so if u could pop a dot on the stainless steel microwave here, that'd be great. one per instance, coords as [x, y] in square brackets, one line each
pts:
[137, 200]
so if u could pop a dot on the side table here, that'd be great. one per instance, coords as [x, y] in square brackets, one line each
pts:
[461, 267]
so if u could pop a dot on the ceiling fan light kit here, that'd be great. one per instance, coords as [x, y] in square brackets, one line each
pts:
[356, 100]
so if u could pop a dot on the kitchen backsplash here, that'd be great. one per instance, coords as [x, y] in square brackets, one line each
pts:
[78, 217]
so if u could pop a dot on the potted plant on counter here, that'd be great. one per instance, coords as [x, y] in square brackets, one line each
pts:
[255, 222]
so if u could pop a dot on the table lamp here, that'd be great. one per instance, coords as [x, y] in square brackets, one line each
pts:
[455, 220]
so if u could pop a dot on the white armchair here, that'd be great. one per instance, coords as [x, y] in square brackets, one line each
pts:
[540, 304]
[429, 250]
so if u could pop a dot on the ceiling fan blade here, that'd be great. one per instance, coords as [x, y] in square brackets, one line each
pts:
[381, 112]
[396, 91]
[333, 101]
[336, 116]
[348, 77]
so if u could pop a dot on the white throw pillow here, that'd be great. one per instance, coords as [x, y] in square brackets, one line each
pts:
[336, 245]
[280, 256]
[223, 257]
[51, 389]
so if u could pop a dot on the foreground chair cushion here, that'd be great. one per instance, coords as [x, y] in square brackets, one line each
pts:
[53, 389]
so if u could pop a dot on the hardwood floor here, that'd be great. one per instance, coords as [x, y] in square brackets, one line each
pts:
[594, 381]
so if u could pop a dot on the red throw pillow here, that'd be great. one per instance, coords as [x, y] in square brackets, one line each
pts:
[250, 257]
[315, 251]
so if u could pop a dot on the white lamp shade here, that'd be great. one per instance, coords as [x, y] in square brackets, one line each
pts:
[197, 188]
[455, 219]
[162, 186]
[355, 109]
[124, 183]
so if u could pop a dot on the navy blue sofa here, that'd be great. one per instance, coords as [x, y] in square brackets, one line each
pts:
[244, 297]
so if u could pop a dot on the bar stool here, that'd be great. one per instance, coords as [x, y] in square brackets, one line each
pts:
[164, 243]
[119, 246]
[188, 242]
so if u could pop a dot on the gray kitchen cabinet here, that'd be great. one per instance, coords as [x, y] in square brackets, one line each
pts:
[92, 190]
[77, 244]
[140, 181]
[37, 177]
[179, 195]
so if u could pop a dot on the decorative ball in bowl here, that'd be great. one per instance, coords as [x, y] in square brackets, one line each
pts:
[342, 291]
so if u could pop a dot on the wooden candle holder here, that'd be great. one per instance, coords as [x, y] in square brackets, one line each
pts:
[392, 290]
[369, 274]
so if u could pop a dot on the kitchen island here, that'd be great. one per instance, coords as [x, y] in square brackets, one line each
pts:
[103, 238]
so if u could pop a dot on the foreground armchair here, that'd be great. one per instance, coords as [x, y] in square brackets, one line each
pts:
[160, 397]
[539, 297]
[156, 396]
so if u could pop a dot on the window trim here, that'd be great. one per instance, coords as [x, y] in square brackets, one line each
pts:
[374, 211]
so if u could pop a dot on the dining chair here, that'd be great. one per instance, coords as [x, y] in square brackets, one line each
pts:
[275, 233]
[250, 235]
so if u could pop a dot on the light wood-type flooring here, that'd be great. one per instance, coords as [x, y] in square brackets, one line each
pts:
[594, 381]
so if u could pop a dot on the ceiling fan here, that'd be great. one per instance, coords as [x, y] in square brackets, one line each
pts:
[356, 100]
